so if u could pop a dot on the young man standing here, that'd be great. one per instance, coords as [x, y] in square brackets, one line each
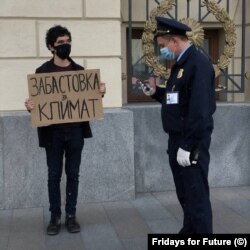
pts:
[62, 139]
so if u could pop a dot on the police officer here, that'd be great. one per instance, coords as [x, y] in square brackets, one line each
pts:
[188, 103]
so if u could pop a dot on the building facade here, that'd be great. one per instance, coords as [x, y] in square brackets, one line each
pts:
[125, 155]
[100, 40]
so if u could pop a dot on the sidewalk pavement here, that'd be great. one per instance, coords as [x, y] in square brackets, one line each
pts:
[121, 224]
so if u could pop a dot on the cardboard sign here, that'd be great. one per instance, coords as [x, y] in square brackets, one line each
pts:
[63, 97]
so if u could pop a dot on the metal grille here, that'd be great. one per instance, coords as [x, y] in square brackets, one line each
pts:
[233, 82]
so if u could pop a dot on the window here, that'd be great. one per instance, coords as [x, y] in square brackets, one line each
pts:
[141, 71]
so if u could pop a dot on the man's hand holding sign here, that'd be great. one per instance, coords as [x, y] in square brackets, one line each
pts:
[63, 98]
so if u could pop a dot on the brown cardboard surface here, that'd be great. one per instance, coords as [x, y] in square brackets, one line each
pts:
[63, 97]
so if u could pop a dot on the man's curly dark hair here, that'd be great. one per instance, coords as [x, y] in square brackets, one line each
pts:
[54, 32]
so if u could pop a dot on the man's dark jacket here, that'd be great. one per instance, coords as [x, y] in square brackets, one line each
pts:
[45, 133]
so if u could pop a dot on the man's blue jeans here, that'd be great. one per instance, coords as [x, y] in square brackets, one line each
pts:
[66, 141]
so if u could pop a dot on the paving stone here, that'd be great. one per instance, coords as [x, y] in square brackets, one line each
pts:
[26, 240]
[27, 220]
[5, 221]
[228, 220]
[4, 239]
[126, 220]
[171, 203]
[100, 236]
[224, 194]
[243, 191]
[167, 198]
[120, 225]
[64, 240]
[166, 226]
[135, 244]
[92, 213]
[241, 207]
[150, 208]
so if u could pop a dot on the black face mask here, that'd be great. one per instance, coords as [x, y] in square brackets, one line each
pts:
[63, 50]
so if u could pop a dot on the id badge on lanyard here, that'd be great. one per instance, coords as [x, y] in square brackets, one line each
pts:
[172, 97]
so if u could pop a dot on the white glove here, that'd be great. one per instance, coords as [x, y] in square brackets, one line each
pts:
[183, 158]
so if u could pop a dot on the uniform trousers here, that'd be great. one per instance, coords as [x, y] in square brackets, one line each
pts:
[68, 142]
[192, 186]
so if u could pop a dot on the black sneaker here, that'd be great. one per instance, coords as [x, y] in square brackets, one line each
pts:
[54, 225]
[71, 224]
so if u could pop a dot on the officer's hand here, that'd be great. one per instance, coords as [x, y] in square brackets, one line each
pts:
[147, 90]
[183, 158]
[151, 86]
[148, 87]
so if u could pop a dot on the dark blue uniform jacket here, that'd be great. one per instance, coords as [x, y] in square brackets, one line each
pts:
[193, 78]
[44, 133]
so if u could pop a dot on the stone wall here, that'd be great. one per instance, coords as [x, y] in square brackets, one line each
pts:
[229, 151]
[126, 155]
[107, 168]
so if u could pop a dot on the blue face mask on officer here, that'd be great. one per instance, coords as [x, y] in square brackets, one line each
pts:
[167, 54]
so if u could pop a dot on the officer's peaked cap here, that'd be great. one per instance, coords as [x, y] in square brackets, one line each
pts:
[167, 26]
